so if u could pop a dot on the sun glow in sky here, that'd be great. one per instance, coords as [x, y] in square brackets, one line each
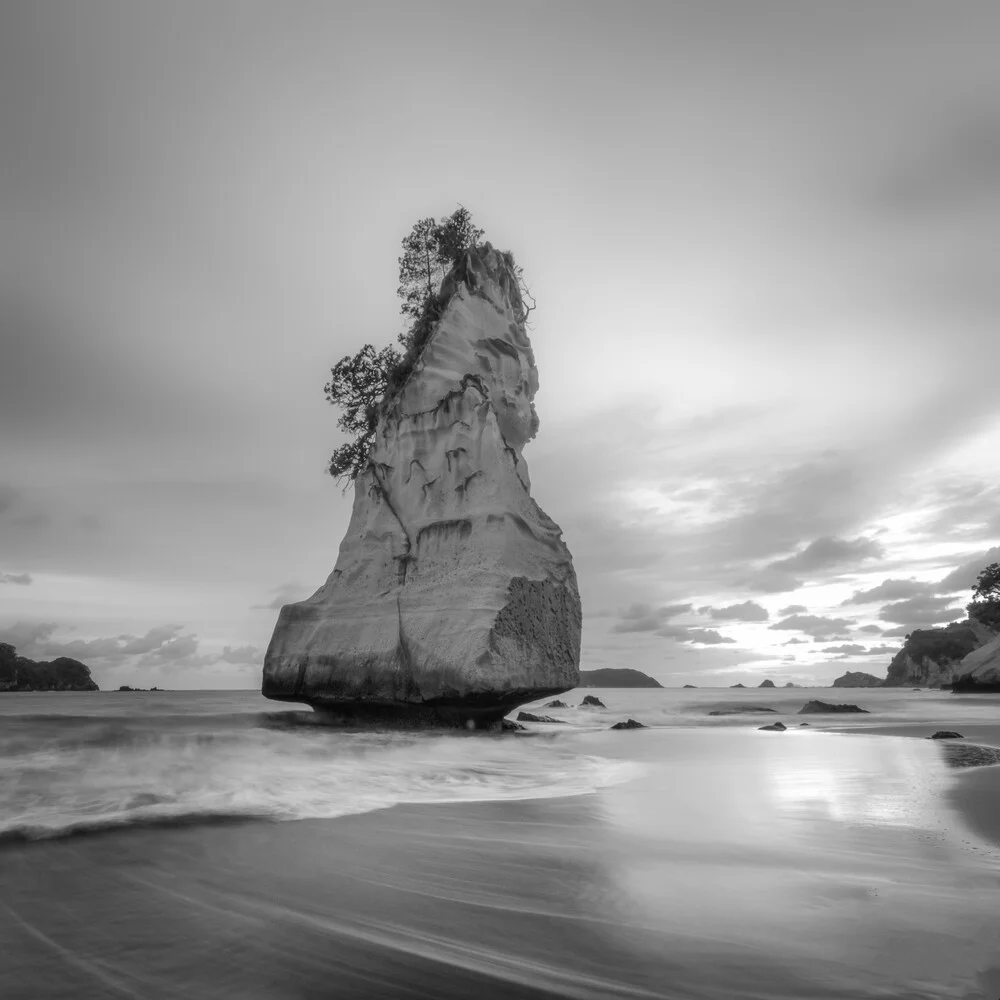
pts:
[764, 243]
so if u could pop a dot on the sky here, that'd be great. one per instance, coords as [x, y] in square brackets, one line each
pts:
[764, 240]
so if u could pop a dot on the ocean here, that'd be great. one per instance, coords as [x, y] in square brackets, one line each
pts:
[188, 844]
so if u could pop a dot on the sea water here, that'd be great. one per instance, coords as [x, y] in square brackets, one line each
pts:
[699, 857]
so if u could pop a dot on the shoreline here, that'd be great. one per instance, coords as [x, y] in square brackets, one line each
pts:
[974, 792]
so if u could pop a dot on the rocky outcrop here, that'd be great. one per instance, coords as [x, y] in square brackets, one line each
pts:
[857, 679]
[766, 683]
[590, 701]
[774, 727]
[980, 669]
[454, 598]
[823, 707]
[932, 657]
[18, 673]
[529, 717]
[617, 677]
[628, 724]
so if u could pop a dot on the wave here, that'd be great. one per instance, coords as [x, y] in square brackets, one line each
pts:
[277, 775]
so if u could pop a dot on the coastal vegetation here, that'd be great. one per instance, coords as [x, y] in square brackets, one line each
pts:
[985, 605]
[360, 384]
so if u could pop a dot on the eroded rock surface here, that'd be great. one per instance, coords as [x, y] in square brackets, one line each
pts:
[454, 598]
[980, 669]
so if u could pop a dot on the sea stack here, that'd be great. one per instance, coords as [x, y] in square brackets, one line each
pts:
[454, 598]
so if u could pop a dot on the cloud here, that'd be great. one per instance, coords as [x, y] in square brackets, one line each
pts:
[748, 611]
[160, 644]
[964, 577]
[889, 590]
[153, 639]
[828, 552]
[686, 633]
[871, 629]
[793, 641]
[849, 648]
[923, 610]
[644, 618]
[19, 579]
[241, 654]
[897, 633]
[815, 626]
[287, 593]
[794, 609]
[771, 581]
[27, 636]
[184, 647]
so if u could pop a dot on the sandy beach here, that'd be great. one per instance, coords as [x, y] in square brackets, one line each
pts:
[721, 861]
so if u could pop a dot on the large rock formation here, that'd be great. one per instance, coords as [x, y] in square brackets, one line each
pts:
[453, 599]
[18, 673]
[933, 656]
[980, 670]
[857, 679]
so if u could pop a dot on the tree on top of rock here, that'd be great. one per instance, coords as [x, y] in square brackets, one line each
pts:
[985, 606]
[429, 251]
[359, 383]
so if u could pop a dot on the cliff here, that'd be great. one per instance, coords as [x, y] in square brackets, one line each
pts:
[980, 669]
[617, 677]
[453, 598]
[932, 657]
[857, 679]
[18, 673]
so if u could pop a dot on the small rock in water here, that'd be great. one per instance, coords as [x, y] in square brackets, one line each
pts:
[742, 710]
[528, 717]
[557, 704]
[801, 724]
[823, 706]
[775, 727]
[591, 700]
[946, 734]
[629, 724]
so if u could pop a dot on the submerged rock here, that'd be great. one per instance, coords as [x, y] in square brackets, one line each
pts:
[18, 673]
[592, 702]
[742, 710]
[629, 724]
[775, 727]
[826, 707]
[528, 717]
[454, 597]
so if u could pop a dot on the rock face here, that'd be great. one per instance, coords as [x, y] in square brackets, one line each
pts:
[857, 679]
[617, 677]
[454, 598]
[18, 673]
[980, 669]
[933, 656]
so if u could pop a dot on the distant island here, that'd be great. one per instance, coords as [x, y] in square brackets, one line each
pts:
[857, 679]
[18, 673]
[617, 677]
[125, 687]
